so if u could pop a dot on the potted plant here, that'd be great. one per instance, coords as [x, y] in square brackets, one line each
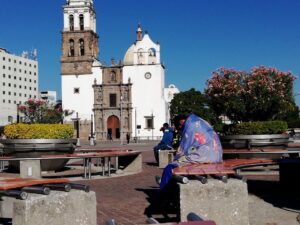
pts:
[263, 94]
[40, 134]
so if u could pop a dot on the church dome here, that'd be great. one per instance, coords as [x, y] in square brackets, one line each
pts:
[128, 58]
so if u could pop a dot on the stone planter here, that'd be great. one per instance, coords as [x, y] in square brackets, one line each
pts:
[34, 148]
[254, 141]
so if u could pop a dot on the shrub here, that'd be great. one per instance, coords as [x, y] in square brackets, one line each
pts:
[38, 131]
[259, 127]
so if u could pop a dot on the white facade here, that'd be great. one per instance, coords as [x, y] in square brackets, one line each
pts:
[142, 65]
[18, 83]
[78, 94]
[49, 96]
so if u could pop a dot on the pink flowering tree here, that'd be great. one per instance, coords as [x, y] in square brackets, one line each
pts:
[39, 111]
[263, 94]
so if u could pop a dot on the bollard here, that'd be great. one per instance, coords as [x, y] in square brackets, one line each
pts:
[14, 194]
[59, 187]
[37, 190]
[223, 178]
[202, 179]
[82, 187]
[181, 179]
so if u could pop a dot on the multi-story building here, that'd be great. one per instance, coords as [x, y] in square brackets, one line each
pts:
[49, 96]
[18, 83]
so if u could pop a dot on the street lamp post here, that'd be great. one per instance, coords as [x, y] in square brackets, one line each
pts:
[92, 133]
[18, 114]
[121, 120]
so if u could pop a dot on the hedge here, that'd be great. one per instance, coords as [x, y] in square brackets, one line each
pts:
[38, 131]
[259, 127]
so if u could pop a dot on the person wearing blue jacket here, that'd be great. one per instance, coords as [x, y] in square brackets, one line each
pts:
[166, 142]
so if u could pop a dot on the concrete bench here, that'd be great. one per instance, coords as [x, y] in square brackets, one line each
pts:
[127, 161]
[224, 201]
[24, 203]
[165, 157]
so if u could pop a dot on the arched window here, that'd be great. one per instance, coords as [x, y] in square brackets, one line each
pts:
[81, 22]
[112, 76]
[141, 58]
[71, 22]
[81, 46]
[71, 48]
[152, 52]
[152, 56]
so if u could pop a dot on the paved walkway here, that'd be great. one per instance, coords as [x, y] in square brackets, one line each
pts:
[125, 198]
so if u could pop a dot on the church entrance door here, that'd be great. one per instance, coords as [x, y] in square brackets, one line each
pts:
[113, 127]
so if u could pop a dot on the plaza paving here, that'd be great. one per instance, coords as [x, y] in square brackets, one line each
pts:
[125, 198]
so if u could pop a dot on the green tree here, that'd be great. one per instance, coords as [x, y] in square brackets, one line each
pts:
[192, 101]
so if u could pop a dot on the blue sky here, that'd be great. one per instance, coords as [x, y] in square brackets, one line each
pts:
[196, 36]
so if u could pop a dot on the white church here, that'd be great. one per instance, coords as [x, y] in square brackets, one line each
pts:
[114, 100]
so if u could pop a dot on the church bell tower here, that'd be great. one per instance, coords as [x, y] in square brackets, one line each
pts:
[79, 38]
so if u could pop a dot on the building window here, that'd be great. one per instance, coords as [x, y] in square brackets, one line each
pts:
[81, 45]
[112, 76]
[71, 22]
[9, 60]
[15, 69]
[112, 100]
[35, 89]
[9, 101]
[76, 90]
[3, 67]
[15, 85]
[149, 122]
[15, 61]
[20, 94]
[3, 92]
[20, 78]
[9, 84]
[3, 58]
[71, 48]
[9, 68]
[9, 76]
[3, 100]
[15, 77]
[81, 22]
[3, 83]
[3, 75]
[20, 62]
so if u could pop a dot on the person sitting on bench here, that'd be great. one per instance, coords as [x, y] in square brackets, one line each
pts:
[199, 144]
[166, 142]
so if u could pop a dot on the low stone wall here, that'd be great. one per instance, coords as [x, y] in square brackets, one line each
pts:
[224, 203]
[63, 208]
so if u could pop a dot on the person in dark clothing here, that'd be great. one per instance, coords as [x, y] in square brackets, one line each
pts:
[128, 138]
[166, 142]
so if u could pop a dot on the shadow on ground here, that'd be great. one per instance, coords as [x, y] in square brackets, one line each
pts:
[281, 196]
[162, 206]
